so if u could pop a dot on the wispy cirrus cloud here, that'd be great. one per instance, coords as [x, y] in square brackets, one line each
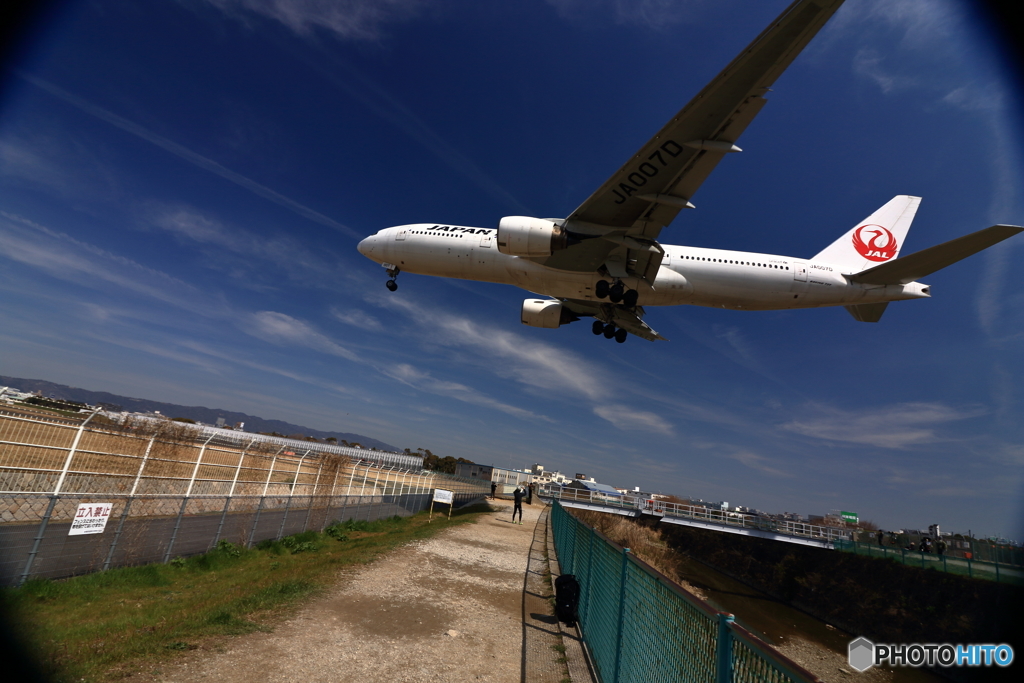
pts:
[346, 19]
[61, 256]
[531, 363]
[424, 381]
[653, 14]
[534, 364]
[186, 154]
[256, 257]
[284, 330]
[898, 426]
[758, 462]
[630, 419]
[357, 318]
[364, 20]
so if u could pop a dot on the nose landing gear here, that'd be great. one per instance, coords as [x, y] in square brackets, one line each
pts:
[393, 272]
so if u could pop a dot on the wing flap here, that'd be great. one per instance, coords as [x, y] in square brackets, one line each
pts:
[907, 269]
[627, 319]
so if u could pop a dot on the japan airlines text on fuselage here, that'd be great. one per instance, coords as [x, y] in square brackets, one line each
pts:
[688, 275]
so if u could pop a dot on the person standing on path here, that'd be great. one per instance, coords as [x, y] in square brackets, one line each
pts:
[494, 487]
[518, 495]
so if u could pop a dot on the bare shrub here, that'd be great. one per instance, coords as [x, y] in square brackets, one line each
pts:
[643, 541]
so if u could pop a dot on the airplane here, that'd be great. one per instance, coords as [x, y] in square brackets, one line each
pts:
[604, 261]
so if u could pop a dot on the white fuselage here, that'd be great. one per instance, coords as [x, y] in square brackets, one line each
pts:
[688, 275]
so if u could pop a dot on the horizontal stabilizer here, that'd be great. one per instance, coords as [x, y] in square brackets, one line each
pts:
[867, 313]
[925, 262]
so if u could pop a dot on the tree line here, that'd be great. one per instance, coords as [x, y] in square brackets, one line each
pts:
[437, 464]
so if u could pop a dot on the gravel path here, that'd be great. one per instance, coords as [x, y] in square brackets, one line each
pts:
[457, 607]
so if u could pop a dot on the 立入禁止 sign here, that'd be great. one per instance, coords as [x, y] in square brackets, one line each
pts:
[91, 518]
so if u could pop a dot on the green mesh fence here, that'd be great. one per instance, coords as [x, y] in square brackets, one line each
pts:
[976, 569]
[639, 626]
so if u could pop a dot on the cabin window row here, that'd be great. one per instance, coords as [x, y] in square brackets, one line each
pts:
[738, 263]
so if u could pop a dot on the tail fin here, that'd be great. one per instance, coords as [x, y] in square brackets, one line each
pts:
[876, 239]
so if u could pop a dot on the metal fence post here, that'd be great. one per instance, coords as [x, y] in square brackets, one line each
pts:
[184, 501]
[590, 568]
[622, 614]
[723, 665]
[330, 499]
[316, 482]
[53, 500]
[266, 486]
[231, 493]
[362, 490]
[291, 494]
[348, 491]
[128, 504]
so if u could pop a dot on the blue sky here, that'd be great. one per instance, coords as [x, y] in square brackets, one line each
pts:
[182, 186]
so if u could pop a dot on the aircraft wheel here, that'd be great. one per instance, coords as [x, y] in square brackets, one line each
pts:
[629, 298]
[616, 292]
[620, 336]
[609, 331]
[601, 289]
[391, 285]
[598, 327]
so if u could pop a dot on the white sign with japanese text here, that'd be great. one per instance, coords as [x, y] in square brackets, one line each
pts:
[442, 496]
[91, 518]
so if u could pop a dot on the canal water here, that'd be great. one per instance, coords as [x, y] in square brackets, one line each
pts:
[775, 621]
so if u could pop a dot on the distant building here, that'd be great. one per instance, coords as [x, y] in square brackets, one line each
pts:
[541, 476]
[471, 470]
[499, 475]
[594, 487]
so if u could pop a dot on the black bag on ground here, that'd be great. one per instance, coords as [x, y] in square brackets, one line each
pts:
[567, 599]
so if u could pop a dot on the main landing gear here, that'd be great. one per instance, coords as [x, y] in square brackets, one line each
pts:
[616, 293]
[609, 331]
[393, 271]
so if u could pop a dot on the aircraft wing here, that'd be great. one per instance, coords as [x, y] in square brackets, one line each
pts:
[658, 181]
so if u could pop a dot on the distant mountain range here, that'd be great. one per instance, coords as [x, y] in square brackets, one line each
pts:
[197, 413]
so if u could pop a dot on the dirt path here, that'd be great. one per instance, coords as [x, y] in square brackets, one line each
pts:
[450, 608]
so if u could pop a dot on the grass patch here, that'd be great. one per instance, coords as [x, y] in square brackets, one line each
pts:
[114, 623]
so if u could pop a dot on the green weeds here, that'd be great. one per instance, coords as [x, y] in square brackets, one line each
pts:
[119, 622]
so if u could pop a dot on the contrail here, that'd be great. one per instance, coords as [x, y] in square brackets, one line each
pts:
[188, 155]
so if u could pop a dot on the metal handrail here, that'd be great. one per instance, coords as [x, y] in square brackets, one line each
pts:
[696, 512]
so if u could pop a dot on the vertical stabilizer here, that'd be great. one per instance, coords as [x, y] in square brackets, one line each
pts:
[875, 240]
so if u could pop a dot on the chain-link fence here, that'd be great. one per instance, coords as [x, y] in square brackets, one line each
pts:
[977, 569]
[174, 490]
[641, 626]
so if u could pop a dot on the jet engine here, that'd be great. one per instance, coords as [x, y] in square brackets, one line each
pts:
[525, 236]
[546, 313]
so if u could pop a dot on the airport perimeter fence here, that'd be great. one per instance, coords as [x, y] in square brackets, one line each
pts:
[976, 569]
[152, 491]
[641, 626]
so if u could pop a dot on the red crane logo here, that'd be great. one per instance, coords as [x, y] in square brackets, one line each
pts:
[880, 246]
